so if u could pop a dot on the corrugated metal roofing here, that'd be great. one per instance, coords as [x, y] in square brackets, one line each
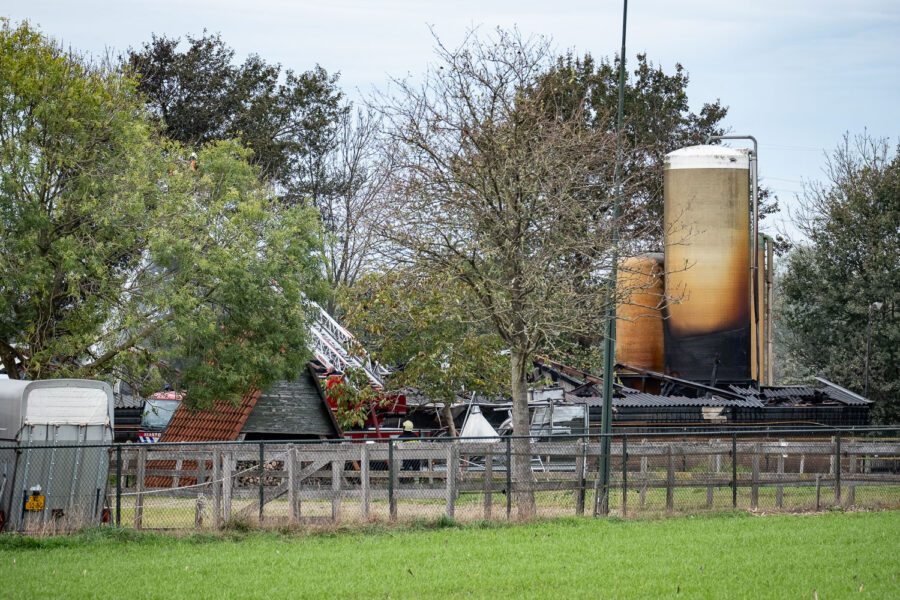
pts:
[788, 392]
[841, 396]
[637, 399]
[651, 400]
[744, 391]
[127, 401]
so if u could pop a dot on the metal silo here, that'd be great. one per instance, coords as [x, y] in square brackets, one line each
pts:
[639, 329]
[707, 258]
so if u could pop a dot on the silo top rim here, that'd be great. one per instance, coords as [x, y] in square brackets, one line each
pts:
[708, 157]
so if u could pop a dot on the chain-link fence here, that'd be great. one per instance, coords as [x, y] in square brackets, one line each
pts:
[209, 486]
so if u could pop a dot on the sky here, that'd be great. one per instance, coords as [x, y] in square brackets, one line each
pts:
[796, 74]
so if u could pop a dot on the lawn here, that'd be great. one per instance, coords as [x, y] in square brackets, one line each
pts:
[835, 555]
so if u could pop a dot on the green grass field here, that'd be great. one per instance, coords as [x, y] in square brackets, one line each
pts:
[836, 555]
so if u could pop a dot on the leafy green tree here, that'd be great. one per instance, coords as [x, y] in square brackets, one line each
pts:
[200, 95]
[658, 121]
[119, 255]
[305, 137]
[850, 262]
[421, 324]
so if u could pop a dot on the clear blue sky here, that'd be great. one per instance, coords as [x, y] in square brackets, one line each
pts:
[796, 74]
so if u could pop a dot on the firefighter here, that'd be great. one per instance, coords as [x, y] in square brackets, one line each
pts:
[413, 464]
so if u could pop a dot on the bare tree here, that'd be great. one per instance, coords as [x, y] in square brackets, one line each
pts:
[354, 206]
[508, 195]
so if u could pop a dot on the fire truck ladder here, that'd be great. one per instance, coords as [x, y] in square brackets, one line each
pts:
[336, 347]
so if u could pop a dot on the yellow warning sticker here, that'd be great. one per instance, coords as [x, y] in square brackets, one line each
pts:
[35, 502]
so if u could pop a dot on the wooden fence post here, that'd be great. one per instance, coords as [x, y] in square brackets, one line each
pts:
[644, 465]
[140, 486]
[851, 487]
[754, 478]
[227, 470]
[364, 481]
[337, 474]
[199, 509]
[818, 491]
[670, 480]
[488, 484]
[837, 470]
[779, 491]
[217, 489]
[452, 468]
[293, 491]
[712, 471]
[201, 471]
[393, 481]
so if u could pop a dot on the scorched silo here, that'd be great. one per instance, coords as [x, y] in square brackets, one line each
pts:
[639, 327]
[707, 234]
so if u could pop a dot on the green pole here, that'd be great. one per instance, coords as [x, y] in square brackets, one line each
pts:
[609, 344]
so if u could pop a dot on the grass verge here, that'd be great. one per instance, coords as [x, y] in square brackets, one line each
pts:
[724, 556]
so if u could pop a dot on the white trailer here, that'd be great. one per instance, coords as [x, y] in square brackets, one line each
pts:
[54, 454]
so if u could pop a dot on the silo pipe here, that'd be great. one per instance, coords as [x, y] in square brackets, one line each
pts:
[754, 241]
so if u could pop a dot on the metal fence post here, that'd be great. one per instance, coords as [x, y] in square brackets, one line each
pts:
[508, 479]
[837, 469]
[118, 486]
[488, 484]
[754, 477]
[580, 463]
[262, 470]
[216, 484]
[733, 470]
[624, 475]
[392, 500]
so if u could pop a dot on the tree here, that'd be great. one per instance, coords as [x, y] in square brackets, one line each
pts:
[504, 194]
[850, 262]
[658, 120]
[306, 139]
[118, 256]
[418, 323]
[200, 96]
[354, 210]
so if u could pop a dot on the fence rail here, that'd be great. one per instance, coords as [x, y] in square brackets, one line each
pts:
[208, 486]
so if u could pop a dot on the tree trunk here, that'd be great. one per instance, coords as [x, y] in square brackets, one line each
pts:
[448, 416]
[7, 357]
[521, 460]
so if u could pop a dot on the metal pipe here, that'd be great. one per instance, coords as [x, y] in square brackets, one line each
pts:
[754, 237]
[609, 344]
[770, 311]
[875, 306]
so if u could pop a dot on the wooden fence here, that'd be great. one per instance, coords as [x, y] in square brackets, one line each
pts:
[217, 475]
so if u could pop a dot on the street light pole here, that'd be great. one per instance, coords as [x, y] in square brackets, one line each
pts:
[872, 307]
[601, 502]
